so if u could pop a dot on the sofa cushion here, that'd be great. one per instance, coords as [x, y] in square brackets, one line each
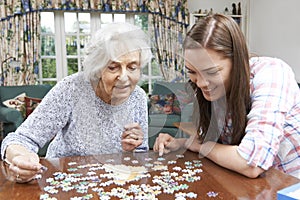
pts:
[161, 104]
[17, 103]
[23, 104]
[161, 120]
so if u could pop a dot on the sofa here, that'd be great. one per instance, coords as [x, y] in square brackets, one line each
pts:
[11, 118]
[168, 103]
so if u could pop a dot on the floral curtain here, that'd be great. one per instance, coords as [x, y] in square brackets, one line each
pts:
[20, 28]
[19, 42]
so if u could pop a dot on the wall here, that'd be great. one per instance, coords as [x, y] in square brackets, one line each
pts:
[274, 30]
[273, 26]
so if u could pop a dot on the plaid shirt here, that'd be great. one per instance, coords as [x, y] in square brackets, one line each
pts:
[273, 129]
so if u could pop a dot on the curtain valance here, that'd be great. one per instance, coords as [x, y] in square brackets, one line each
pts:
[175, 10]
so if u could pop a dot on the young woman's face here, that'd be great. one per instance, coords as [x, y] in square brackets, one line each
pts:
[119, 77]
[210, 71]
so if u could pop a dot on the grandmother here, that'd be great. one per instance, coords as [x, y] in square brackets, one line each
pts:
[100, 110]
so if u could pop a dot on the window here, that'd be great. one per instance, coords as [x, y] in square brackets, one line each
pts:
[47, 72]
[77, 34]
[65, 34]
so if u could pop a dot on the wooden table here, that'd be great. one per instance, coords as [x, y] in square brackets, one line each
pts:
[214, 179]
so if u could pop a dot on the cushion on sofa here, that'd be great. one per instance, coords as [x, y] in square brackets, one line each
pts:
[161, 120]
[17, 103]
[161, 104]
[22, 103]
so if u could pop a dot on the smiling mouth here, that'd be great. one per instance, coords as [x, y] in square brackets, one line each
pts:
[122, 86]
[208, 90]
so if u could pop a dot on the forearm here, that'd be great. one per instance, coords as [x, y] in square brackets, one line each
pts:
[181, 141]
[227, 156]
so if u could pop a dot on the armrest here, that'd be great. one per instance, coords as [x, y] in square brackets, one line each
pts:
[187, 112]
[10, 115]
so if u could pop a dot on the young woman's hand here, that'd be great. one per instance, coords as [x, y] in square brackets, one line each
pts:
[132, 137]
[193, 143]
[165, 143]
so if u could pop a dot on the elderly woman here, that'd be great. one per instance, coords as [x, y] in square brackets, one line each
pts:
[100, 110]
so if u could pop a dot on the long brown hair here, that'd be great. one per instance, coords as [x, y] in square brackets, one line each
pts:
[222, 34]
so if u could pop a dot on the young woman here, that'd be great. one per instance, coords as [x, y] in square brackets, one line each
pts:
[247, 110]
[99, 110]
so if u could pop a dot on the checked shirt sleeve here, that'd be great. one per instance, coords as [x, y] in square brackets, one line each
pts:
[271, 92]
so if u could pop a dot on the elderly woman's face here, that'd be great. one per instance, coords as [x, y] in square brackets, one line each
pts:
[120, 77]
[210, 71]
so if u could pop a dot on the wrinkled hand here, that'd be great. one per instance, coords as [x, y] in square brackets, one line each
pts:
[132, 137]
[165, 143]
[24, 168]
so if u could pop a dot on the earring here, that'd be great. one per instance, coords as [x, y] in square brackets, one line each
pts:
[196, 92]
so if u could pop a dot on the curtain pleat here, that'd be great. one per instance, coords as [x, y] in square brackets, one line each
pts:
[20, 32]
[19, 40]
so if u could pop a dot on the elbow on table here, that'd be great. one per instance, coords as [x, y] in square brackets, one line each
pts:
[253, 172]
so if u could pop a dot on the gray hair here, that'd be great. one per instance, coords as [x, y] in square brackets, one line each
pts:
[112, 41]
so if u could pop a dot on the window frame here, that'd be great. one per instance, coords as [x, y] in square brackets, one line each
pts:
[61, 56]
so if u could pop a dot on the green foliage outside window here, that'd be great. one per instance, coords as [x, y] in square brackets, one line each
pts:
[71, 45]
[48, 47]
[72, 65]
[52, 83]
[49, 68]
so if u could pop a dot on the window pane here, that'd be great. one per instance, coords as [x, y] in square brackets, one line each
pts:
[47, 22]
[71, 45]
[119, 18]
[72, 66]
[48, 45]
[83, 41]
[84, 22]
[49, 68]
[49, 82]
[106, 18]
[70, 22]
